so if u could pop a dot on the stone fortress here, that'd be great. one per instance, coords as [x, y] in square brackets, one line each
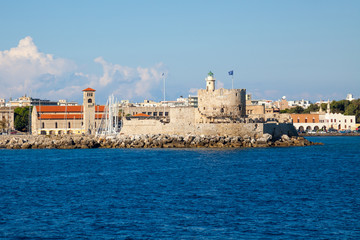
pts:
[220, 112]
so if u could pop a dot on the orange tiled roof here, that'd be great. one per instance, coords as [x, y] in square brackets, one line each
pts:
[141, 115]
[66, 116]
[89, 89]
[68, 109]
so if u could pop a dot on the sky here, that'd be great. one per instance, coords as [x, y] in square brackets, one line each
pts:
[306, 49]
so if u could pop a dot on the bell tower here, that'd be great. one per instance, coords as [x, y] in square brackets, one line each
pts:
[210, 82]
[89, 110]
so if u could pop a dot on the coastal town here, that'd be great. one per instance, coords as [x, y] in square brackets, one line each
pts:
[35, 116]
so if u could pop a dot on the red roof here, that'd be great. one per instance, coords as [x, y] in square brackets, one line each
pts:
[89, 90]
[141, 115]
[68, 109]
[66, 116]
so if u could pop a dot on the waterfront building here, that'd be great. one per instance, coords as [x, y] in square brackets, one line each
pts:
[58, 120]
[323, 121]
[26, 101]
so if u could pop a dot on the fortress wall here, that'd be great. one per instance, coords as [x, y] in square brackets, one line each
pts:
[222, 102]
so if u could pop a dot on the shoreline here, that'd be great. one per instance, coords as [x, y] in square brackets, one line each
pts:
[147, 141]
[329, 134]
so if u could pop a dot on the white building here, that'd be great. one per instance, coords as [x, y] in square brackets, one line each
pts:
[350, 97]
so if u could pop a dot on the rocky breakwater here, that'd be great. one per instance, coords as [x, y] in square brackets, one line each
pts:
[148, 141]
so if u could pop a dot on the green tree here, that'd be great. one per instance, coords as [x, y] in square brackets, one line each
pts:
[312, 108]
[353, 109]
[297, 109]
[339, 106]
[21, 122]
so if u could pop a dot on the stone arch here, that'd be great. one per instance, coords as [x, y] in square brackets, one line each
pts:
[42, 132]
[60, 132]
[316, 128]
[308, 128]
[323, 128]
[51, 132]
[89, 100]
[301, 129]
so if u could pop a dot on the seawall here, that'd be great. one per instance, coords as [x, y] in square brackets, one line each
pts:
[147, 141]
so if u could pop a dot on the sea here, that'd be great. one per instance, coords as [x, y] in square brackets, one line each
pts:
[247, 193]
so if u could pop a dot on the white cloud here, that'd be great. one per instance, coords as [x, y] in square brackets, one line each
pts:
[130, 82]
[24, 67]
[220, 84]
[193, 90]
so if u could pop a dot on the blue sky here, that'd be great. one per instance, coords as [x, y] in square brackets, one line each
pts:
[300, 49]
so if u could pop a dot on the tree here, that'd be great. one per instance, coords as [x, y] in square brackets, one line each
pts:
[297, 109]
[21, 122]
[312, 108]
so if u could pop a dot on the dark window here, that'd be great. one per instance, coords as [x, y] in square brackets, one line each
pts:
[69, 125]
[42, 125]
[155, 114]
[56, 126]
[166, 113]
[160, 113]
[89, 100]
[149, 113]
[222, 110]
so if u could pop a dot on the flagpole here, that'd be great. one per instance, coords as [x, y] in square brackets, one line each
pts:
[164, 87]
[232, 81]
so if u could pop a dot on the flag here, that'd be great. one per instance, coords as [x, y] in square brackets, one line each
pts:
[231, 72]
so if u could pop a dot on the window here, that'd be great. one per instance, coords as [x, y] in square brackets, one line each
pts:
[298, 120]
[89, 94]
[149, 113]
[43, 125]
[166, 113]
[222, 110]
[305, 120]
[155, 114]
[345, 122]
[351, 120]
[69, 125]
[89, 100]
[313, 120]
[56, 126]
[160, 113]
[143, 112]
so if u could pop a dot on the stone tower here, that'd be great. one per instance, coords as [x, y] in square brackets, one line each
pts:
[89, 110]
[210, 82]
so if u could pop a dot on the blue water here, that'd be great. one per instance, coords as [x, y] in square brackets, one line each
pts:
[273, 193]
